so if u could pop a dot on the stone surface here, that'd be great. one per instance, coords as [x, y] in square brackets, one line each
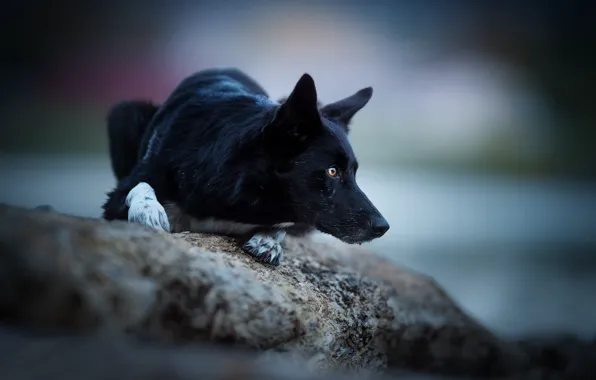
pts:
[82, 274]
[361, 311]
[328, 306]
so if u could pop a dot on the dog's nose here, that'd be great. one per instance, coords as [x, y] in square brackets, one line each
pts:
[379, 226]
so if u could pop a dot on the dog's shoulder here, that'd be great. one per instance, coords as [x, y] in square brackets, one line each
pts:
[218, 99]
[221, 82]
[217, 121]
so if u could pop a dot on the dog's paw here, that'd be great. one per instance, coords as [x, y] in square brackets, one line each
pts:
[143, 208]
[266, 248]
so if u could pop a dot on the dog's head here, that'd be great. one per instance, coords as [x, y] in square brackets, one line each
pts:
[317, 166]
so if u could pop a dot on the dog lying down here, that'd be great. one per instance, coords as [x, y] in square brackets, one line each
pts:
[218, 156]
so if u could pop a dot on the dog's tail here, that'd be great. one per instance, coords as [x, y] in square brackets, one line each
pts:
[127, 123]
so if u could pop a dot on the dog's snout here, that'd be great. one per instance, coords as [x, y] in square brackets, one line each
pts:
[379, 226]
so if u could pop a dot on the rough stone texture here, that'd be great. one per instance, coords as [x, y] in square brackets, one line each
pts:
[82, 274]
[328, 306]
[361, 311]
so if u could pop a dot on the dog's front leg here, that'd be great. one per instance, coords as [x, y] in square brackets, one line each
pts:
[145, 209]
[135, 200]
[266, 247]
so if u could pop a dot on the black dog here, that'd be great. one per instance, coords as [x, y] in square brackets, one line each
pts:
[224, 158]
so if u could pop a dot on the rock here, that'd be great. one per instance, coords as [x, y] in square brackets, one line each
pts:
[332, 306]
[82, 274]
[361, 311]
[30, 356]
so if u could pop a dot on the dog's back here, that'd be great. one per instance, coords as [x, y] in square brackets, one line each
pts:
[131, 123]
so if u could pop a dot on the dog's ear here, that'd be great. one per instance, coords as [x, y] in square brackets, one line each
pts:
[344, 110]
[297, 118]
[301, 104]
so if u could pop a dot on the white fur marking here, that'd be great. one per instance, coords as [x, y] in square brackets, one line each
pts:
[284, 225]
[182, 222]
[267, 248]
[215, 226]
[143, 208]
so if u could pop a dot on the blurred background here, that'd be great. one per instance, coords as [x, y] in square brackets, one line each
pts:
[479, 144]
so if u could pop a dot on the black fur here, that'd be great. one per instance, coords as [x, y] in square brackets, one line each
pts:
[220, 148]
[127, 122]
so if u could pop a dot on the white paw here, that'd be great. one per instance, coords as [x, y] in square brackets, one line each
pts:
[267, 248]
[143, 208]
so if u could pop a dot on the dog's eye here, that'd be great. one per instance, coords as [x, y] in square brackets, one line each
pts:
[332, 172]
